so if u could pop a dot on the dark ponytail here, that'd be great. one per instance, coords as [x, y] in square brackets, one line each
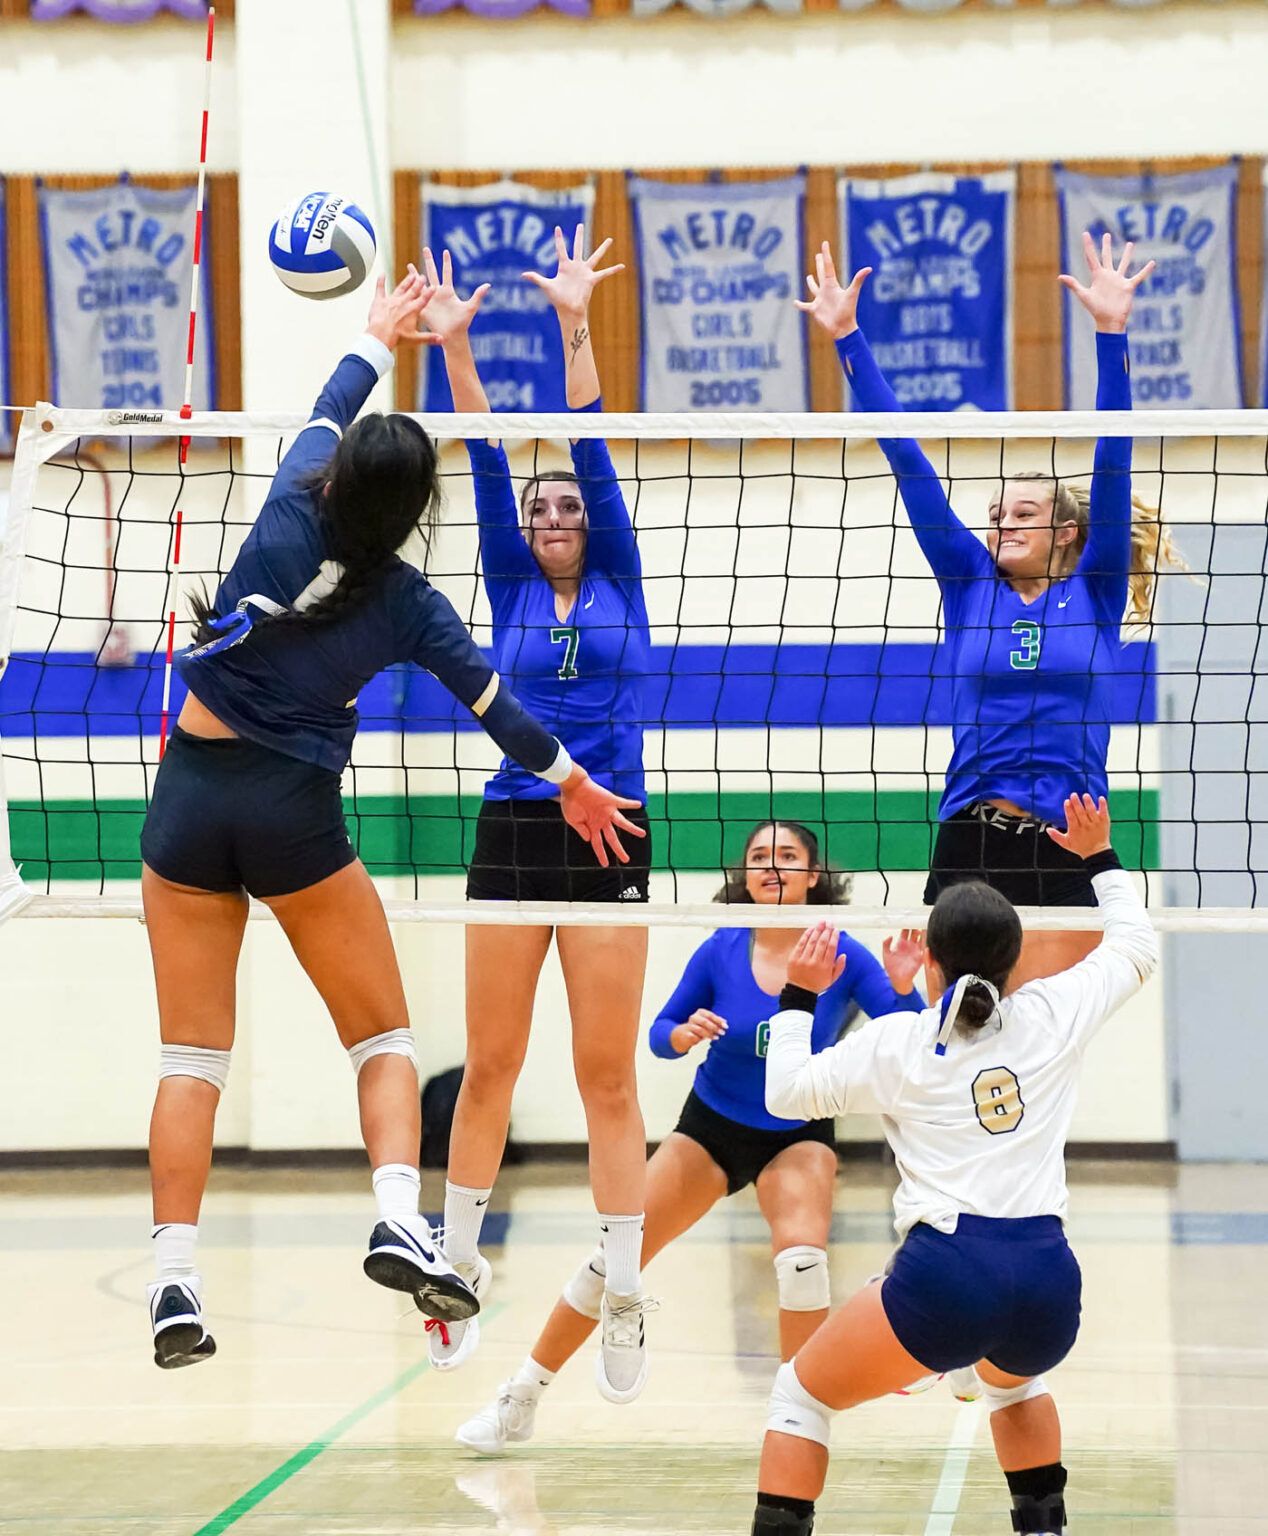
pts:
[974, 931]
[831, 889]
[380, 486]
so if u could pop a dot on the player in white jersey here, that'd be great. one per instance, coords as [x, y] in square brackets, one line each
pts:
[976, 1097]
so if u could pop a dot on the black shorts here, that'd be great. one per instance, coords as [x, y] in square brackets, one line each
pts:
[1014, 855]
[743, 1151]
[228, 814]
[526, 851]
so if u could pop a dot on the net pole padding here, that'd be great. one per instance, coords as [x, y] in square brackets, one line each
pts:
[705, 914]
[186, 410]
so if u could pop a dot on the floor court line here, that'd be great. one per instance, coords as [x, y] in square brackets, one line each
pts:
[955, 1465]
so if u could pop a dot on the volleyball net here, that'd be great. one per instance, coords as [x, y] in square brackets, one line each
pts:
[798, 658]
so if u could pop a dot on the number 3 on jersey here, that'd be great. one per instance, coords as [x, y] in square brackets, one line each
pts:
[1029, 643]
[998, 1101]
[569, 636]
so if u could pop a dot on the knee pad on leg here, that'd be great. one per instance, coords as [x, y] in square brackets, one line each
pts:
[802, 1277]
[584, 1291]
[392, 1042]
[195, 1061]
[1008, 1397]
[794, 1412]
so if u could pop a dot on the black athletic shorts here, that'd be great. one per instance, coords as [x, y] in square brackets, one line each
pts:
[743, 1151]
[526, 851]
[228, 814]
[1015, 855]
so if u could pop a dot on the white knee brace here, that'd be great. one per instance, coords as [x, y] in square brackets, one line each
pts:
[794, 1412]
[1008, 1397]
[584, 1292]
[392, 1042]
[195, 1061]
[802, 1277]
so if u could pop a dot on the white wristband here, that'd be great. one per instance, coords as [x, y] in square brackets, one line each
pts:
[559, 769]
[371, 350]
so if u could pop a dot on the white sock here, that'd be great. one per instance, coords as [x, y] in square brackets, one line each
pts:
[464, 1216]
[531, 1380]
[396, 1191]
[622, 1252]
[174, 1249]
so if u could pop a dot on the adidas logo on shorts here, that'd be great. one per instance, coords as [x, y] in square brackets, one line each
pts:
[630, 893]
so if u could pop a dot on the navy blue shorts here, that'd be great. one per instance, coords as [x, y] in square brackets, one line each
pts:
[1003, 1291]
[228, 814]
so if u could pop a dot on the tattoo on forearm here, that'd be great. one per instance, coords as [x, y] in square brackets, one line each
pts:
[579, 338]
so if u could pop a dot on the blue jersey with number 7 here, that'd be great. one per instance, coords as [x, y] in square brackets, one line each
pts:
[581, 674]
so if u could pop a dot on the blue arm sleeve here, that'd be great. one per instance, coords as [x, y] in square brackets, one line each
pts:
[1106, 560]
[871, 988]
[443, 645]
[952, 551]
[504, 556]
[611, 547]
[695, 990]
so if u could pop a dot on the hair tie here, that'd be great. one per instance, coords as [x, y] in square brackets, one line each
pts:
[233, 628]
[951, 1002]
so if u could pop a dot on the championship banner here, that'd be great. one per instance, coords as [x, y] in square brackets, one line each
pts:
[8, 419]
[721, 263]
[1184, 330]
[493, 234]
[718, 7]
[117, 265]
[938, 307]
[500, 8]
[116, 10]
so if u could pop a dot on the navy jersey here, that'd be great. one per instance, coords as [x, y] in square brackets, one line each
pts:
[581, 675]
[1031, 682]
[294, 687]
[719, 976]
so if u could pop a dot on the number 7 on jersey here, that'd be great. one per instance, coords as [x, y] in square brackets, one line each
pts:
[569, 636]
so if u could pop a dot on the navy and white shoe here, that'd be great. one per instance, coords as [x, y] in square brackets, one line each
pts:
[404, 1256]
[176, 1316]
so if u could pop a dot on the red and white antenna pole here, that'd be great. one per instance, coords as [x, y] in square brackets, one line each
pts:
[187, 404]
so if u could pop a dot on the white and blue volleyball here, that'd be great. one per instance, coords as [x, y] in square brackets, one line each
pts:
[322, 245]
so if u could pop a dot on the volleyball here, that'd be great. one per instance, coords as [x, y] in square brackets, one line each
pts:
[321, 245]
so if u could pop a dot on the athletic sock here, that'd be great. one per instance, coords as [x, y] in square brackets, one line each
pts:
[396, 1191]
[781, 1515]
[174, 1249]
[622, 1252]
[531, 1380]
[1038, 1498]
[464, 1216]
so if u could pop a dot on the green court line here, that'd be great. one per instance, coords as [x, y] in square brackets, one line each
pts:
[294, 1465]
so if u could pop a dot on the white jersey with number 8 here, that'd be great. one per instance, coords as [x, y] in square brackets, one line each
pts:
[981, 1130]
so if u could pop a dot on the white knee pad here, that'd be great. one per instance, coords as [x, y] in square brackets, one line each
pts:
[584, 1292]
[392, 1042]
[195, 1061]
[1008, 1397]
[794, 1412]
[802, 1276]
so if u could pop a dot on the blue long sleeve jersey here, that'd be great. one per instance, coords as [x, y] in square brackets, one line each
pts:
[719, 976]
[582, 675]
[294, 687]
[1031, 682]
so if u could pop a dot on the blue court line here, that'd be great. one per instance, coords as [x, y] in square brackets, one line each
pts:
[733, 687]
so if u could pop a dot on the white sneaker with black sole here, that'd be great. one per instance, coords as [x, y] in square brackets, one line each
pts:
[620, 1369]
[404, 1256]
[176, 1316]
[449, 1344]
[508, 1420]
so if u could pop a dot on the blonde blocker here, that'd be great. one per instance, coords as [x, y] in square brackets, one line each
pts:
[1153, 548]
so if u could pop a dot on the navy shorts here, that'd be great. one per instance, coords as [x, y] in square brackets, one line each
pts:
[228, 814]
[1003, 1291]
[526, 851]
[743, 1151]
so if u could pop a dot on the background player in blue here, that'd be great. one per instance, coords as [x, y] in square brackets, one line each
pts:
[1034, 618]
[726, 1139]
[564, 581]
[247, 800]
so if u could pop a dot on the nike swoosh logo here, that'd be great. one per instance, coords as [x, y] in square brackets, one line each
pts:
[485, 1201]
[802, 1268]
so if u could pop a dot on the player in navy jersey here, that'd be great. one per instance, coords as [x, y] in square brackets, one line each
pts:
[726, 1138]
[976, 1097]
[247, 801]
[562, 572]
[1034, 620]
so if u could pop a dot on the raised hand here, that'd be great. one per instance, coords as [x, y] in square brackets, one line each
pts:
[578, 275]
[448, 316]
[1110, 292]
[831, 306]
[393, 317]
[701, 1026]
[595, 814]
[1087, 826]
[902, 958]
[814, 963]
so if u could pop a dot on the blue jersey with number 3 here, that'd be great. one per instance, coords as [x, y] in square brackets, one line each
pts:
[581, 675]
